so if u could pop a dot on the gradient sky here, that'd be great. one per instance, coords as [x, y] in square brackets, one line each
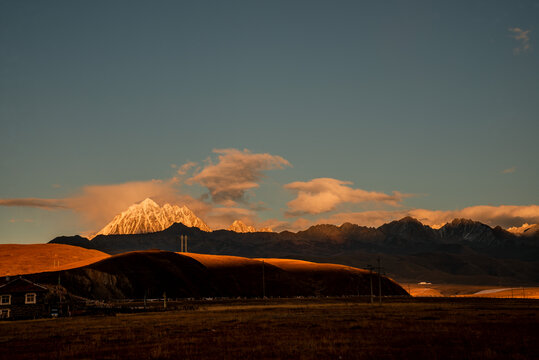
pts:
[437, 100]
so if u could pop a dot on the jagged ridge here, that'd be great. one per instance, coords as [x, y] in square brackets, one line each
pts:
[147, 217]
[240, 227]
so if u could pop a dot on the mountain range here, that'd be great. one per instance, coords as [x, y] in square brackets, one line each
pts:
[239, 226]
[461, 252]
[148, 217]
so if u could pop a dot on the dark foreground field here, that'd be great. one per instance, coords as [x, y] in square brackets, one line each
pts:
[290, 329]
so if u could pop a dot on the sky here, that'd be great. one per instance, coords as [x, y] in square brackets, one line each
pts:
[278, 113]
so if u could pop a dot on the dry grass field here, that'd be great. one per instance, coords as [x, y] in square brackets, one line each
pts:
[458, 290]
[34, 258]
[290, 329]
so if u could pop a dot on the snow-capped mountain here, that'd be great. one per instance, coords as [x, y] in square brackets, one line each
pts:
[147, 216]
[525, 230]
[240, 227]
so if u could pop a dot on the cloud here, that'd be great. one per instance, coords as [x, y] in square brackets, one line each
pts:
[28, 221]
[325, 194]
[98, 204]
[509, 170]
[506, 216]
[523, 39]
[235, 173]
[48, 204]
[223, 217]
[227, 181]
[186, 167]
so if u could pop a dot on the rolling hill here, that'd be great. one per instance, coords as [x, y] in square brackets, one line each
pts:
[151, 273]
[461, 252]
[28, 259]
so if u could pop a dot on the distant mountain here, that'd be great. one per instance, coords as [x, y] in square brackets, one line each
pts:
[531, 231]
[463, 251]
[148, 217]
[526, 229]
[240, 227]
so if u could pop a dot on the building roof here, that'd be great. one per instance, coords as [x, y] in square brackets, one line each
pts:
[21, 285]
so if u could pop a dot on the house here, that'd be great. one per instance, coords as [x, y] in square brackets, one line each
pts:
[22, 299]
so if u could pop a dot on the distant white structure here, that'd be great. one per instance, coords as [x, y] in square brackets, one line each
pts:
[183, 243]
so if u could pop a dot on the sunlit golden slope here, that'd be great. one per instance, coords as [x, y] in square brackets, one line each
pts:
[300, 265]
[456, 290]
[285, 264]
[214, 261]
[34, 258]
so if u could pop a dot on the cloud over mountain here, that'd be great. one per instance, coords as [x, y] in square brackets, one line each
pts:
[229, 180]
[97, 204]
[504, 215]
[325, 194]
[235, 173]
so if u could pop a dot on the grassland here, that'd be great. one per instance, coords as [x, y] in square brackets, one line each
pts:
[347, 328]
[16, 259]
[459, 290]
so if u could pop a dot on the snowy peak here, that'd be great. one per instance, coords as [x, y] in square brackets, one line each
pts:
[525, 230]
[240, 227]
[147, 216]
[146, 202]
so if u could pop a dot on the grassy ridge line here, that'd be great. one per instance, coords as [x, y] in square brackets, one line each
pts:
[18, 259]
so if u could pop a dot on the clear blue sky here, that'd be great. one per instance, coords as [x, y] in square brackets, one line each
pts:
[433, 98]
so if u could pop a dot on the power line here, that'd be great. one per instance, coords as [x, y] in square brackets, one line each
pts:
[263, 281]
[370, 268]
[379, 281]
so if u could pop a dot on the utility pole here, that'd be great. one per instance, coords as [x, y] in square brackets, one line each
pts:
[379, 281]
[165, 300]
[263, 281]
[370, 267]
[145, 292]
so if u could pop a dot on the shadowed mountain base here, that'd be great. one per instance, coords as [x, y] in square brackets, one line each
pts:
[151, 273]
[461, 252]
